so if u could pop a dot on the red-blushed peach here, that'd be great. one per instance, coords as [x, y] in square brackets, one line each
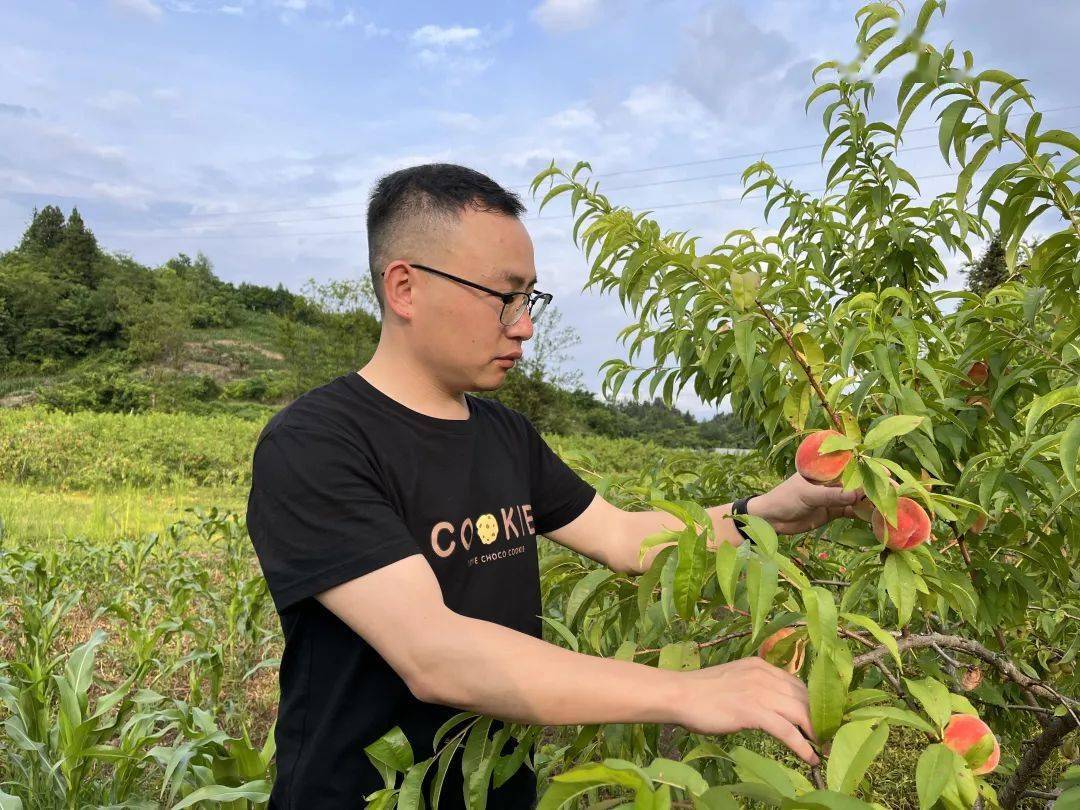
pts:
[981, 401]
[964, 732]
[912, 526]
[978, 525]
[813, 465]
[793, 663]
[979, 373]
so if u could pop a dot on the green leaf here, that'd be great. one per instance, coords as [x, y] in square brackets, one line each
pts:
[933, 773]
[728, 567]
[677, 774]
[690, 571]
[258, 791]
[753, 767]
[1069, 450]
[1041, 405]
[9, 802]
[583, 592]
[647, 581]
[878, 633]
[680, 656]
[392, 749]
[895, 714]
[855, 746]
[933, 695]
[1061, 137]
[950, 117]
[761, 588]
[828, 695]
[889, 428]
[563, 631]
[900, 585]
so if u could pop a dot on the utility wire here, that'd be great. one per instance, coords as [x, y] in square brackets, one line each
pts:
[525, 219]
[194, 229]
[642, 170]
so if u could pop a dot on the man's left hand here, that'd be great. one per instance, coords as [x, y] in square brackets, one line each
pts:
[798, 505]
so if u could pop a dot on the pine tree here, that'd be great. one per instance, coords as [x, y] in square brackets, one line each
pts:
[990, 270]
[45, 232]
[80, 249]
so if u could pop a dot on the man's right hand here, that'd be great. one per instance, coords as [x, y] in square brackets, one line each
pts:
[748, 693]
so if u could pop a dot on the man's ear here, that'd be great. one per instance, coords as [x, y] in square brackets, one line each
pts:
[398, 289]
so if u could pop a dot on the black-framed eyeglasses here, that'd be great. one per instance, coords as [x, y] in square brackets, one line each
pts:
[514, 303]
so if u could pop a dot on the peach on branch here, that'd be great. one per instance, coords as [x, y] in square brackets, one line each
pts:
[912, 526]
[978, 525]
[791, 660]
[813, 465]
[972, 739]
[979, 373]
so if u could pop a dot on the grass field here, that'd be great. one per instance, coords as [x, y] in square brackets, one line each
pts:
[128, 589]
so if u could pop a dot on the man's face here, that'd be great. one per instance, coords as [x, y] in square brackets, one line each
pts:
[457, 329]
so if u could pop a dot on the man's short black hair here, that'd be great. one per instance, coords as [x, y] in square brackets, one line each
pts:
[410, 207]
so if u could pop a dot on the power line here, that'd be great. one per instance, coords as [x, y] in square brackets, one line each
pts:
[642, 170]
[526, 219]
[194, 229]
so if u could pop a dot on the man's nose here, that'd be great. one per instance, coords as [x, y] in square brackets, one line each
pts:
[522, 328]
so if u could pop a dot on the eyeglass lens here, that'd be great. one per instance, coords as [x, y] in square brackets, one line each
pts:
[514, 310]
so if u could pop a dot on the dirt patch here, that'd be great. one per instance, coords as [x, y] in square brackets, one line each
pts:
[18, 400]
[269, 355]
[217, 371]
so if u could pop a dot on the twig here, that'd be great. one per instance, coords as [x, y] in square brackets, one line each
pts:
[1033, 759]
[977, 650]
[803, 364]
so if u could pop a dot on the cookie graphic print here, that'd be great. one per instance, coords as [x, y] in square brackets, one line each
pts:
[513, 523]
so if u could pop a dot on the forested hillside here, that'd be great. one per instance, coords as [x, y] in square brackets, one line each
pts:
[82, 328]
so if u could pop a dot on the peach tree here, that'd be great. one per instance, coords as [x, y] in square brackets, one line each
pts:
[958, 614]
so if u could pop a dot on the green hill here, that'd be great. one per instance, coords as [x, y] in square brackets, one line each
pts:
[82, 329]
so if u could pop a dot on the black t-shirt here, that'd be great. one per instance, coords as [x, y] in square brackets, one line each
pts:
[345, 480]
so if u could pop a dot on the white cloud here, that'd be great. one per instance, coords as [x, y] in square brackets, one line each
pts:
[347, 20]
[292, 5]
[435, 36]
[232, 10]
[143, 8]
[661, 105]
[450, 48]
[371, 30]
[567, 15]
[573, 118]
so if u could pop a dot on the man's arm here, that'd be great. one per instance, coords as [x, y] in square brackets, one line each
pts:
[613, 536]
[481, 666]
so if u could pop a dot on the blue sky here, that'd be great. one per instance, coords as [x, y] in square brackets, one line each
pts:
[253, 130]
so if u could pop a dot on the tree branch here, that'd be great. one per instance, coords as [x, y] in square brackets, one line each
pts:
[1033, 759]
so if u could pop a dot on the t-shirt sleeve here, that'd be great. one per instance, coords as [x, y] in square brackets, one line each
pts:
[318, 515]
[558, 493]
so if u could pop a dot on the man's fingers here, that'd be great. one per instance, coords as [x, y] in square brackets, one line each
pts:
[787, 733]
[797, 712]
[788, 682]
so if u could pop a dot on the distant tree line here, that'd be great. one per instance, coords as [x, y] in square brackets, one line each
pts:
[67, 304]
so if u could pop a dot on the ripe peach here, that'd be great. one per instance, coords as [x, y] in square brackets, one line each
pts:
[978, 525]
[964, 732]
[981, 401]
[814, 465]
[794, 660]
[912, 526]
[979, 373]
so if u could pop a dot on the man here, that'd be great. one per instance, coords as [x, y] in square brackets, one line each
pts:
[395, 518]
